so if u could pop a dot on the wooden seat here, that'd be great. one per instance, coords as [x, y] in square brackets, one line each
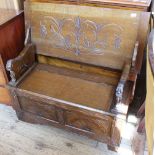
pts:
[51, 81]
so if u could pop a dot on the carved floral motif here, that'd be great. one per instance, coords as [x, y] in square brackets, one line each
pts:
[82, 36]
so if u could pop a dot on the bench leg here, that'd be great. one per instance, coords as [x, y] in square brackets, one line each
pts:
[112, 148]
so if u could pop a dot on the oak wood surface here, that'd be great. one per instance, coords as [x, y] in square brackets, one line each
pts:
[69, 88]
[82, 67]
[113, 46]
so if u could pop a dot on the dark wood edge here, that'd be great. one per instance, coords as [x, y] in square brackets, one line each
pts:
[142, 39]
[12, 19]
[21, 63]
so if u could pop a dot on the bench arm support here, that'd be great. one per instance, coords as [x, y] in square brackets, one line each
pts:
[19, 65]
[121, 84]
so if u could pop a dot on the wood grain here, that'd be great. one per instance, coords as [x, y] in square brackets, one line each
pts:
[41, 109]
[106, 56]
[71, 89]
[113, 75]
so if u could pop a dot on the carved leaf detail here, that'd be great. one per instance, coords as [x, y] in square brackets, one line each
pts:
[43, 30]
[85, 36]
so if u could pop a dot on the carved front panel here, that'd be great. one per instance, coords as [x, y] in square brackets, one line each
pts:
[104, 37]
[38, 108]
[99, 127]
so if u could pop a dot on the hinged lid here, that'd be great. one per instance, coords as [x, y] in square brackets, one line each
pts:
[93, 35]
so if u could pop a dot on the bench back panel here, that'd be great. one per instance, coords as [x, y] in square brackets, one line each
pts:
[92, 35]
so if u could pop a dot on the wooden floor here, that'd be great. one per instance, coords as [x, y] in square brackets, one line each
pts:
[20, 138]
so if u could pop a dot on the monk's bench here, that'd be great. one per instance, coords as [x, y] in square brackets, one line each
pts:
[78, 68]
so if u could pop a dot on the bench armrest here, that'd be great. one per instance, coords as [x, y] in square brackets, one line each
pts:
[19, 65]
[121, 84]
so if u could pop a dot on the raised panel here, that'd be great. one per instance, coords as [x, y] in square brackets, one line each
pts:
[99, 127]
[38, 108]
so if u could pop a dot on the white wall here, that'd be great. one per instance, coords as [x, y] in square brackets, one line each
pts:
[10, 4]
[7, 4]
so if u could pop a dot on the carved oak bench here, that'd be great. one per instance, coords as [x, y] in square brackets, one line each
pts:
[78, 68]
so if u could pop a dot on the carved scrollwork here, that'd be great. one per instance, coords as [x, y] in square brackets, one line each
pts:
[20, 64]
[12, 73]
[81, 36]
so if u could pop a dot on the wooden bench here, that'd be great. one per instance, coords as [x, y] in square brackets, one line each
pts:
[78, 68]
